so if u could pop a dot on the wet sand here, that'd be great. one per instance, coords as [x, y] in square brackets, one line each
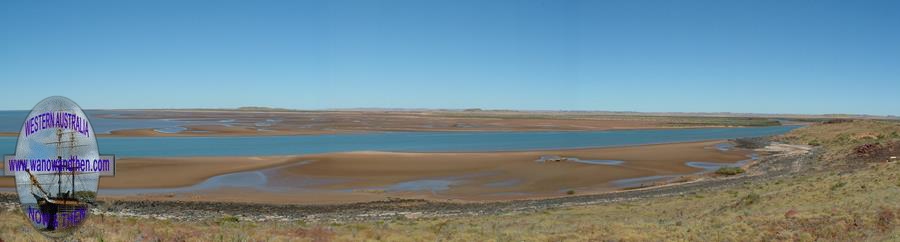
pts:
[175, 172]
[499, 175]
[368, 176]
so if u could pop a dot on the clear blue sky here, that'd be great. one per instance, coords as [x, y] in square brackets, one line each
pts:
[687, 56]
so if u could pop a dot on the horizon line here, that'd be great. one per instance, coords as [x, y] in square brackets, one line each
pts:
[659, 113]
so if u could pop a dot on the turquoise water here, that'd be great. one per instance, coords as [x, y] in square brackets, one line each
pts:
[405, 141]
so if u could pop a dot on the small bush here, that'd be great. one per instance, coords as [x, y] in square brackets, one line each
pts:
[750, 199]
[729, 171]
[838, 185]
[570, 192]
[228, 219]
[842, 139]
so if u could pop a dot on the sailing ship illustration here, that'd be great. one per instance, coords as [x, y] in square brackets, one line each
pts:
[66, 200]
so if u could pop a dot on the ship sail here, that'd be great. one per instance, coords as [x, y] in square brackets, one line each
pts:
[63, 201]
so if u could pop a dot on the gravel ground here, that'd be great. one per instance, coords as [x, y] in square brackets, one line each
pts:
[767, 168]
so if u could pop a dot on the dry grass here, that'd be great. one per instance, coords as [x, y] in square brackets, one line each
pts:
[841, 138]
[840, 205]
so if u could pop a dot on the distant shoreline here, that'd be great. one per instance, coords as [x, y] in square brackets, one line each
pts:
[126, 133]
[210, 123]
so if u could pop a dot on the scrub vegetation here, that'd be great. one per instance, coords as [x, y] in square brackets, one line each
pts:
[729, 171]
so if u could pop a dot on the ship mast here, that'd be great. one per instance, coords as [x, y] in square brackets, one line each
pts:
[72, 166]
[60, 148]
[58, 169]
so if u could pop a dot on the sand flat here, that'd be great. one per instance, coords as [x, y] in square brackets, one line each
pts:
[516, 172]
[369, 175]
[180, 172]
[175, 172]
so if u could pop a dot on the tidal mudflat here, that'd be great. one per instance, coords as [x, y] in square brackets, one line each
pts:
[369, 175]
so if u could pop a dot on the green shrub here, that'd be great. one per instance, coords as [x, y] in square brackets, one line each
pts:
[842, 139]
[750, 199]
[838, 185]
[729, 171]
[228, 219]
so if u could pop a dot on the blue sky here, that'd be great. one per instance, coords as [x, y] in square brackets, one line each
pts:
[682, 56]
